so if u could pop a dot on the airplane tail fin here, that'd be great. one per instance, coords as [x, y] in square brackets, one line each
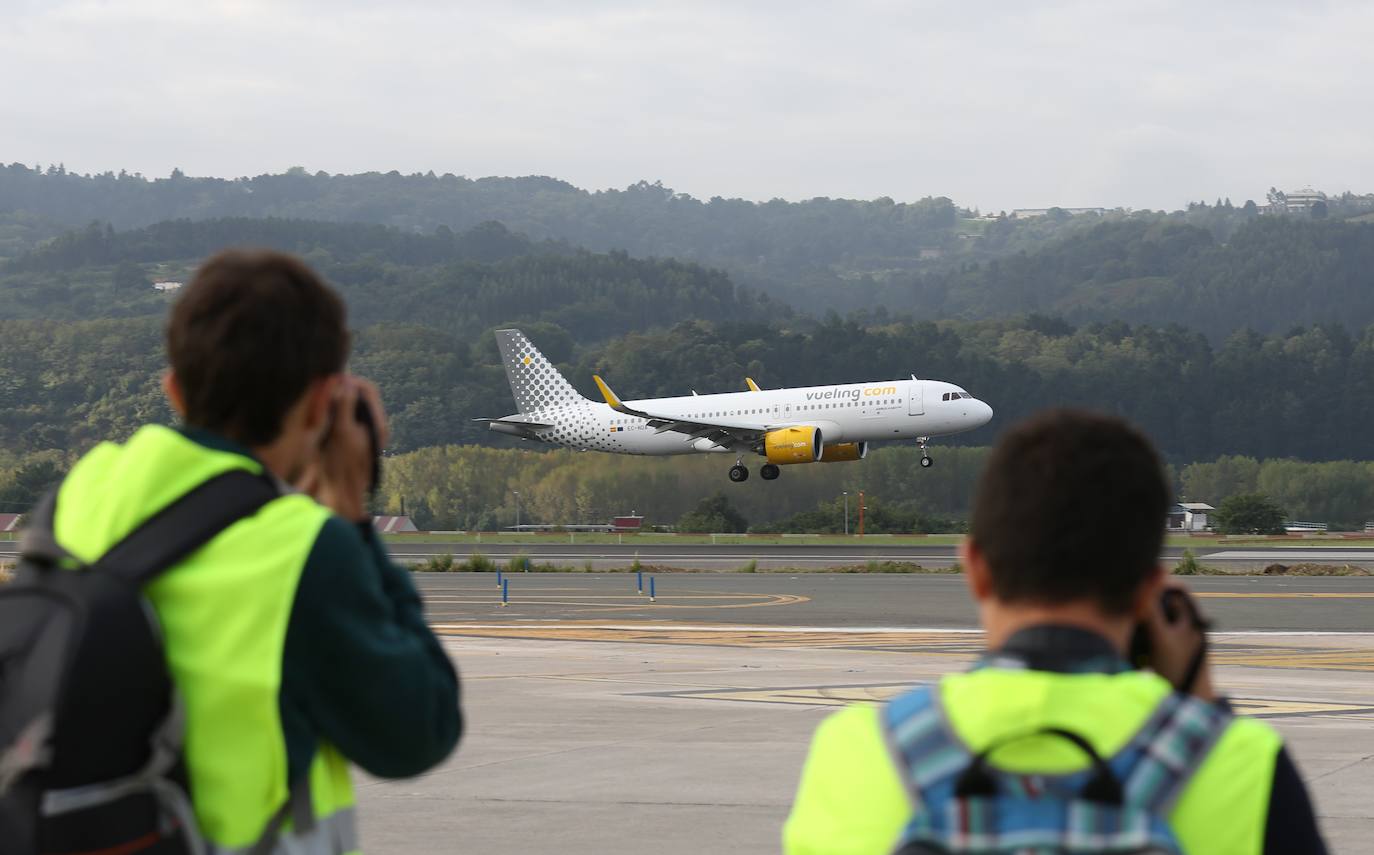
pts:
[534, 382]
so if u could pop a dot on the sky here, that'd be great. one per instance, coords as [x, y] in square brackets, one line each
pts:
[996, 105]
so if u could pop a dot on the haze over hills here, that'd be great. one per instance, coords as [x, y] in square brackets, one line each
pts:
[1215, 267]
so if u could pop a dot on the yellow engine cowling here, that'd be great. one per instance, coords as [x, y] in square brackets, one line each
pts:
[793, 445]
[842, 451]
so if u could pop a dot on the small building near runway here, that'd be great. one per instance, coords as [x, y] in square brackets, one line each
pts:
[1189, 516]
[393, 525]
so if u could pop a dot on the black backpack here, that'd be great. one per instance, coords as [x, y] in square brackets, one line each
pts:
[90, 722]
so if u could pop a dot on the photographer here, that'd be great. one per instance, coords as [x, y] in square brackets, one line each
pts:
[1056, 741]
[295, 645]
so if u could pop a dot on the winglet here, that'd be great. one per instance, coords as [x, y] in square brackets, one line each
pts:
[753, 387]
[611, 400]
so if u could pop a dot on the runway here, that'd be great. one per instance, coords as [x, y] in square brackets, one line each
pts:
[730, 556]
[852, 600]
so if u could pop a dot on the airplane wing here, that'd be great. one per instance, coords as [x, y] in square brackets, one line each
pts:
[722, 434]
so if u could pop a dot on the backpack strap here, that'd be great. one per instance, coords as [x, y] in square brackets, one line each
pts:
[167, 536]
[186, 525]
[963, 804]
[1168, 751]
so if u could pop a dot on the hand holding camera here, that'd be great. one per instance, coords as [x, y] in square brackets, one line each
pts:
[1172, 642]
[348, 466]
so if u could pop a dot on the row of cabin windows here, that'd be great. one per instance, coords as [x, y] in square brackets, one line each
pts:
[954, 396]
[800, 407]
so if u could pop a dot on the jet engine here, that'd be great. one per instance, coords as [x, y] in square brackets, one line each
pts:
[793, 445]
[842, 451]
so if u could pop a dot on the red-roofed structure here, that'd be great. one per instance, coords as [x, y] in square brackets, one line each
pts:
[393, 525]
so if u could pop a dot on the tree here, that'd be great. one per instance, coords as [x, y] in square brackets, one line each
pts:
[1249, 513]
[29, 484]
[714, 514]
[129, 277]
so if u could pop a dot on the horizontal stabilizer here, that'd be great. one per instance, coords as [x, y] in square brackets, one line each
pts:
[515, 427]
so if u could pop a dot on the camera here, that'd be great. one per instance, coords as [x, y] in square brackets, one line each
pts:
[362, 412]
[1174, 603]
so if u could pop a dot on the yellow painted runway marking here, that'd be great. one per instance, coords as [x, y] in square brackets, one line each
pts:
[1303, 658]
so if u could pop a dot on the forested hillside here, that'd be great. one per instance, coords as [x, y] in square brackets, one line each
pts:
[1215, 268]
[1308, 393]
[1272, 273]
[805, 251]
[462, 283]
[645, 218]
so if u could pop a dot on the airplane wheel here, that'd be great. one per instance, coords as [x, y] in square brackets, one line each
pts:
[769, 472]
[926, 462]
[738, 473]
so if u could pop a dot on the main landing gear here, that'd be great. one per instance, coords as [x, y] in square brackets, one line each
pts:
[739, 473]
[926, 461]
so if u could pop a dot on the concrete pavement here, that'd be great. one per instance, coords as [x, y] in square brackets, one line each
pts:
[630, 747]
[602, 723]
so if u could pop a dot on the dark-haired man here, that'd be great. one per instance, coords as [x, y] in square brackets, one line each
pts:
[296, 646]
[1054, 742]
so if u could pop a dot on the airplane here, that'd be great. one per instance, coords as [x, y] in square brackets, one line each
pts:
[813, 424]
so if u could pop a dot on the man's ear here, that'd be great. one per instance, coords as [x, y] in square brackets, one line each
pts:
[976, 572]
[1148, 596]
[171, 387]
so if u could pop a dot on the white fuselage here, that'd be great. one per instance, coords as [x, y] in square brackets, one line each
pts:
[854, 412]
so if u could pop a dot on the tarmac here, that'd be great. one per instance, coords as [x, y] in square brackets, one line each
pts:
[599, 722]
[733, 552]
[728, 555]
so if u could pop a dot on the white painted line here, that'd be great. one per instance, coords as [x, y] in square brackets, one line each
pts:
[1290, 555]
